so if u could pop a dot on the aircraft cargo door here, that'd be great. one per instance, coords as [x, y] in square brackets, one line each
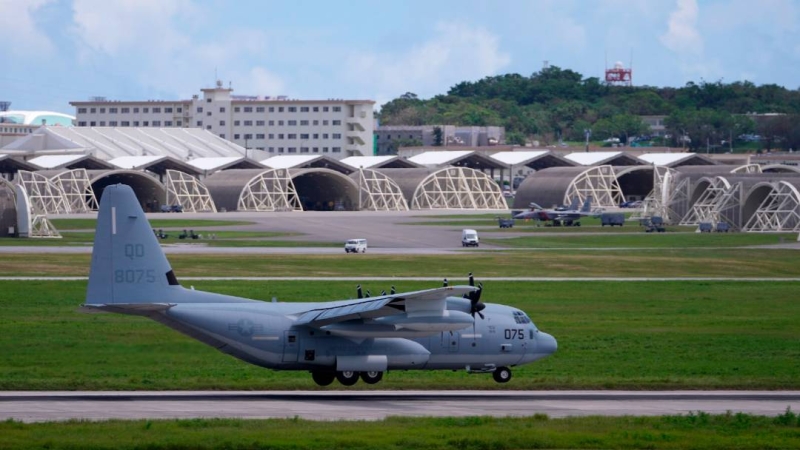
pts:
[290, 346]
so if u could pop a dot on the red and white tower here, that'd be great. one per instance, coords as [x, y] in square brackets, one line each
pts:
[619, 75]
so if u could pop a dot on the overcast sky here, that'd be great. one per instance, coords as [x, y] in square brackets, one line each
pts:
[55, 51]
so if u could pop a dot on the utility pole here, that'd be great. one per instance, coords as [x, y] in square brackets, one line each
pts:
[588, 133]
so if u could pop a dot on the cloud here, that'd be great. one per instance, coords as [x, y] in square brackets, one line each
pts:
[457, 52]
[261, 81]
[682, 36]
[18, 30]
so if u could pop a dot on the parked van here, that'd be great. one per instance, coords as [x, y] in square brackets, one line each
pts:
[469, 238]
[355, 246]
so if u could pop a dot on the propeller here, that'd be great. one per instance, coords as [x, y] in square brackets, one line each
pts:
[475, 305]
[444, 283]
[383, 293]
[358, 291]
[392, 291]
[368, 294]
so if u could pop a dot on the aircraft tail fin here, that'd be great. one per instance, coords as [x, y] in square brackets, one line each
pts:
[128, 264]
[574, 205]
[587, 205]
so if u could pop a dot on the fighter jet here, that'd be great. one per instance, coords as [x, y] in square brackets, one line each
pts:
[562, 215]
[347, 340]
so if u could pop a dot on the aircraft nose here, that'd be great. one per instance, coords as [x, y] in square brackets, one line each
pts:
[546, 343]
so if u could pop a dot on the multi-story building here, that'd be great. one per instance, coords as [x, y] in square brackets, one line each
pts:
[276, 125]
[390, 137]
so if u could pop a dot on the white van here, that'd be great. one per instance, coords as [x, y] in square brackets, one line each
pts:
[469, 238]
[355, 246]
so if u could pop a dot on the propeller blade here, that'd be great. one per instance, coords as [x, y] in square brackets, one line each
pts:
[471, 280]
[444, 284]
[383, 293]
[392, 291]
[368, 293]
[358, 291]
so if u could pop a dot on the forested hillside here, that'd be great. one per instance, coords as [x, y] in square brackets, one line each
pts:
[560, 103]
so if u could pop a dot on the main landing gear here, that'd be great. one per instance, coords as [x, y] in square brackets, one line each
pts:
[502, 374]
[346, 378]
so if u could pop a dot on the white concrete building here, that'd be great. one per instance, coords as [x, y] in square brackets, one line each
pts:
[276, 125]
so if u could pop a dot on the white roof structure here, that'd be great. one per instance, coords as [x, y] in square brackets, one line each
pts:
[288, 161]
[55, 161]
[439, 158]
[110, 143]
[368, 162]
[514, 158]
[133, 162]
[601, 158]
[220, 163]
[675, 159]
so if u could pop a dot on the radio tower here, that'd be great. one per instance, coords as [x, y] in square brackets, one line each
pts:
[619, 75]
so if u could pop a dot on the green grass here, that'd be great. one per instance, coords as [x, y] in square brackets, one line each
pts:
[612, 335]
[696, 431]
[178, 222]
[222, 239]
[562, 263]
[645, 240]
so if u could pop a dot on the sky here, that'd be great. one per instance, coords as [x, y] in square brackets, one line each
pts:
[57, 51]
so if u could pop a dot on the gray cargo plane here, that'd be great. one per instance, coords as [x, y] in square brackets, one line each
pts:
[443, 328]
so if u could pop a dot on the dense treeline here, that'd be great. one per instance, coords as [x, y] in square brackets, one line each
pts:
[556, 103]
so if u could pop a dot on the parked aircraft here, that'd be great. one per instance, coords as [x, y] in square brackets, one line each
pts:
[562, 215]
[442, 328]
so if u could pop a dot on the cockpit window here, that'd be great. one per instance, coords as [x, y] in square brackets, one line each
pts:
[521, 318]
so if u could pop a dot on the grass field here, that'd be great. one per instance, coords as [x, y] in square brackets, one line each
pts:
[612, 335]
[696, 431]
[644, 240]
[222, 238]
[560, 263]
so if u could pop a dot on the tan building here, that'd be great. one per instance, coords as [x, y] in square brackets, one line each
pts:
[276, 125]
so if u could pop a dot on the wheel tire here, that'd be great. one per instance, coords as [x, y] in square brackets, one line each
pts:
[364, 250]
[502, 374]
[371, 377]
[347, 378]
[323, 378]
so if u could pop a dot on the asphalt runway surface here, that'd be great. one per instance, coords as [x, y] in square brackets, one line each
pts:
[376, 405]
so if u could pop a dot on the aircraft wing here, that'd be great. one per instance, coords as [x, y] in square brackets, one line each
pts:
[429, 301]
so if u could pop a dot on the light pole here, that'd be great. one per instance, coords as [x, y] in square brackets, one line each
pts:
[245, 146]
[588, 133]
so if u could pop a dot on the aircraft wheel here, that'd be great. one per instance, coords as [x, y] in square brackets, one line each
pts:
[323, 378]
[502, 374]
[371, 377]
[347, 378]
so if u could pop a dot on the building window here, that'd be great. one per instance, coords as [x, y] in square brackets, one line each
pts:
[177, 123]
[292, 123]
[248, 109]
[158, 111]
[102, 110]
[292, 149]
[145, 110]
[259, 109]
[272, 149]
[259, 136]
[199, 109]
[222, 135]
[324, 149]
[316, 150]
[236, 109]
[324, 123]
[80, 124]
[316, 122]
[280, 149]
[248, 136]
[113, 123]
[303, 149]
[291, 136]
[125, 110]
[222, 109]
[336, 150]
[102, 123]
[93, 124]
[271, 136]
[236, 123]
[236, 137]
[81, 110]
[303, 136]
[292, 109]
[180, 109]
[93, 110]
[304, 109]
[337, 109]
[337, 135]
[324, 109]
[166, 110]
[280, 135]
[324, 135]
[280, 108]
[222, 123]
[280, 123]
[248, 123]
[199, 123]
[316, 135]
[208, 100]
[272, 123]
[271, 109]
[136, 110]
[336, 122]
[303, 123]
[112, 110]
[156, 123]
[208, 113]
[136, 123]
[316, 109]
[208, 127]
[167, 123]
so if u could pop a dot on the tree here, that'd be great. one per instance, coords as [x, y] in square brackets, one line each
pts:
[438, 137]
[515, 138]
[402, 142]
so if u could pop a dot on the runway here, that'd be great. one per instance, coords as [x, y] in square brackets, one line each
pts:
[376, 405]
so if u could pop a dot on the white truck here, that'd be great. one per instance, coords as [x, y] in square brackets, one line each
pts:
[469, 238]
[355, 246]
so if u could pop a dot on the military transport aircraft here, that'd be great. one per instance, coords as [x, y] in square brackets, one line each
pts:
[340, 340]
[562, 215]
